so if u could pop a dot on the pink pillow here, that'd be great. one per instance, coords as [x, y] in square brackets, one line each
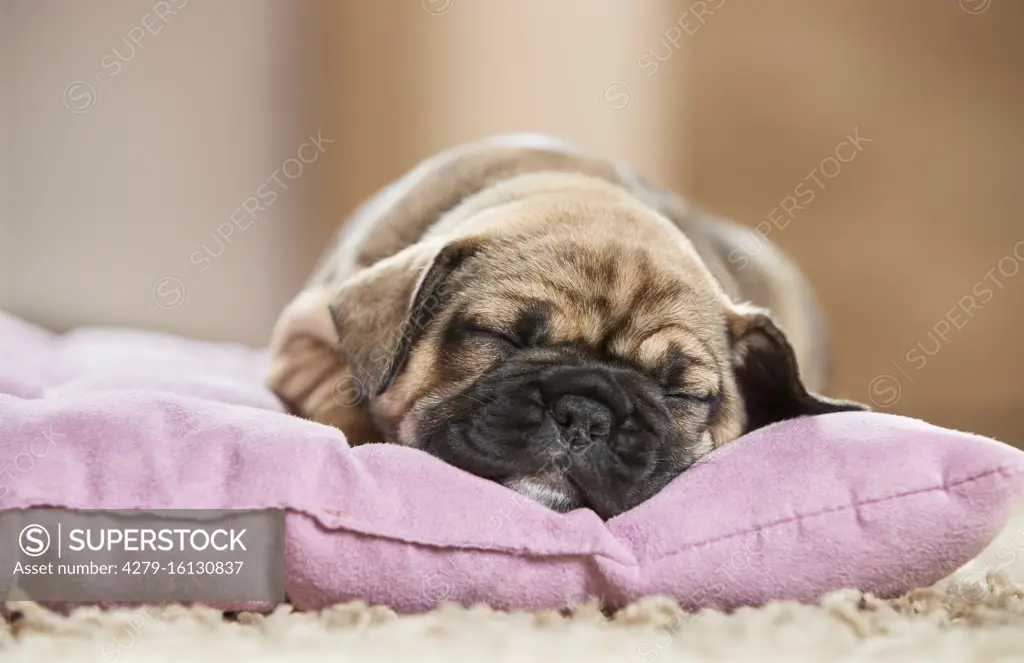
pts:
[872, 501]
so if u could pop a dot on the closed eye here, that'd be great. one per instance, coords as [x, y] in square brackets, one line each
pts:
[712, 401]
[492, 334]
[688, 397]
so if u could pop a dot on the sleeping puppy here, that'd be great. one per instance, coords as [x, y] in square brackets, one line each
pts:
[550, 321]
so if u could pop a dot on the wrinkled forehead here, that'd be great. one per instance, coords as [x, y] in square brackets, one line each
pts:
[619, 301]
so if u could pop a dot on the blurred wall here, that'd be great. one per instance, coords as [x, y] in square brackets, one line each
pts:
[491, 67]
[166, 168]
[6, 162]
[912, 242]
[139, 129]
[143, 151]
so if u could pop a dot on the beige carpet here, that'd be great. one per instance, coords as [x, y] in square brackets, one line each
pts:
[977, 614]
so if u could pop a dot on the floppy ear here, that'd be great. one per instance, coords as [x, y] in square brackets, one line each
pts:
[381, 311]
[767, 374]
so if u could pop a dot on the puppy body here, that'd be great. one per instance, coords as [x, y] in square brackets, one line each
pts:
[515, 284]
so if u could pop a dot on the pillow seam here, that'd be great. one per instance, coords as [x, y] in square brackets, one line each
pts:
[1009, 470]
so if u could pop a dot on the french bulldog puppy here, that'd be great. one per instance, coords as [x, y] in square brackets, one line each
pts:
[549, 320]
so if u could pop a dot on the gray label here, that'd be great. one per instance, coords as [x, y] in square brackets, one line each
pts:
[200, 555]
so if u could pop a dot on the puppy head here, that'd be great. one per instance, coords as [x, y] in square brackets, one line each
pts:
[583, 364]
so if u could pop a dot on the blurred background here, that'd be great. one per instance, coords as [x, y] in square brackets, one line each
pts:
[179, 165]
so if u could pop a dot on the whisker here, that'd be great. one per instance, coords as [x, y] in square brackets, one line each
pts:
[476, 400]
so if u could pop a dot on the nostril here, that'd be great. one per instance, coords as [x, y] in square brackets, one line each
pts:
[583, 419]
[579, 442]
[600, 429]
[561, 415]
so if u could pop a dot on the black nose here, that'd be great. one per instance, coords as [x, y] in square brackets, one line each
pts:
[583, 420]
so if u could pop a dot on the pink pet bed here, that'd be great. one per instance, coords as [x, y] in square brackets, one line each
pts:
[873, 501]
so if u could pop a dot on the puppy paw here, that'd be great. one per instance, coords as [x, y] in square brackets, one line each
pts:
[315, 383]
[297, 370]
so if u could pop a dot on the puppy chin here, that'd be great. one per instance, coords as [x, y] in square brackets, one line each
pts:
[553, 492]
